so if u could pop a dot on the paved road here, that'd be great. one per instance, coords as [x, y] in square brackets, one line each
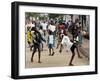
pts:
[58, 60]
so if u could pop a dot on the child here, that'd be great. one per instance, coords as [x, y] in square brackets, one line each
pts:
[60, 36]
[42, 34]
[44, 26]
[37, 39]
[28, 36]
[71, 46]
[50, 43]
[52, 28]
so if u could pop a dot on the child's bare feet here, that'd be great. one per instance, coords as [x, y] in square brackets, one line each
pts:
[39, 62]
[31, 59]
[71, 64]
[60, 51]
[80, 57]
[53, 53]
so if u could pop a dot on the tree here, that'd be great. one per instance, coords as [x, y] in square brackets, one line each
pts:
[31, 14]
[54, 16]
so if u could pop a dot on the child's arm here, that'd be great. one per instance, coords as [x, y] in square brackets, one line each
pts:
[42, 38]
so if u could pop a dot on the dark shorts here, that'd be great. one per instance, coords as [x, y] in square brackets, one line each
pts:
[73, 47]
[50, 45]
[36, 45]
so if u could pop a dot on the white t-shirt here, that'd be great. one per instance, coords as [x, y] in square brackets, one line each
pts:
[52, 28]
[44, 25]
[66, 41]
[50, 39]
[32, 25]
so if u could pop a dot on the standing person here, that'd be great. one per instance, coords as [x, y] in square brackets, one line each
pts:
[60, 36]
[44, 26]
[60, 33]
[71, 46]
[52, 28]
[42, 34]
[68, 25]
[61, 27]
[28, 36]
[73, 30]
[36, 38]
[80, 34]
[33, 25]
[77, 34]
[50, 43]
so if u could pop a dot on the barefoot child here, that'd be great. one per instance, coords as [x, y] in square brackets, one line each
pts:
[28, 36]
[50, 43]
[36, 38]
[71, 46]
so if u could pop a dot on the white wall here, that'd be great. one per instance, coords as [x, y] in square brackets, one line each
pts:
[5, 40]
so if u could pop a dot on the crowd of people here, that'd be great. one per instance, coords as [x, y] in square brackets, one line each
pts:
[49, 31]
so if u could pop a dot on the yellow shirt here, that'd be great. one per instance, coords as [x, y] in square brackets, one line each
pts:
[28, 34]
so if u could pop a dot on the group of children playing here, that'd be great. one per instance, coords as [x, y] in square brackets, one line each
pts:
[36, 36]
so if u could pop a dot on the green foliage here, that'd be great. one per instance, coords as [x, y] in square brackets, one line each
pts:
[54, 16]
[30, 14]
[84, 17]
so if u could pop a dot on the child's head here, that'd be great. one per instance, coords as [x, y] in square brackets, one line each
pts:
[52, 23]
[28, 28]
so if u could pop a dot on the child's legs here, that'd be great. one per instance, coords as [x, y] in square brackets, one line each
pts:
[34, 50]
[42, 46]
[53, 52]
[73, 54]
[49, 46]
[52, 49]
[31, 47]
[58, 44]
[49, 51]
[29, 43]
[39, 53]
[77, 49]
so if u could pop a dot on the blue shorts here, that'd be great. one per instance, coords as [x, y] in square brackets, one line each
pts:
[50, 45]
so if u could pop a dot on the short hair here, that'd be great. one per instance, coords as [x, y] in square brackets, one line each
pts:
[33, 28]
